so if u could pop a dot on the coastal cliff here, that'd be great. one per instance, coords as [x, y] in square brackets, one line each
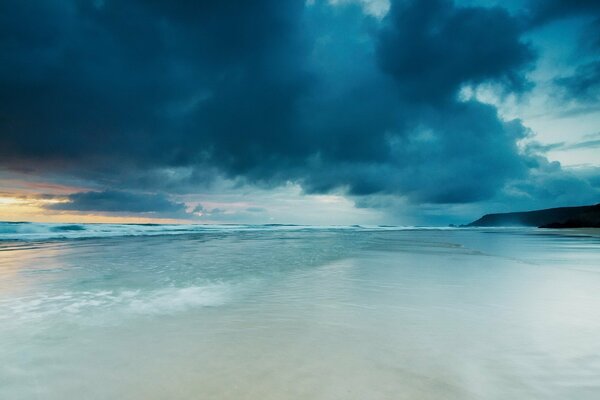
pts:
[562, 217]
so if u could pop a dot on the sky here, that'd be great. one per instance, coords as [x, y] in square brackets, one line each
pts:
[326, 112]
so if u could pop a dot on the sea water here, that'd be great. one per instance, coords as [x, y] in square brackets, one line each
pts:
[294, 312]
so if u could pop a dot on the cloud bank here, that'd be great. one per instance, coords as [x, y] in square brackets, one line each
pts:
[164, 96]
[118, 201]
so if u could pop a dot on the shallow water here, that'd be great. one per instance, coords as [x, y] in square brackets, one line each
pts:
[300, 313]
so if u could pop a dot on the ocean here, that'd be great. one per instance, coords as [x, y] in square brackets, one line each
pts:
[94, 311]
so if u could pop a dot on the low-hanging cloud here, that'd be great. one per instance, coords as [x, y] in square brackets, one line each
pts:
[111, 201]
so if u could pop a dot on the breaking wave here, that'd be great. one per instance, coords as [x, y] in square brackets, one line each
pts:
[33, 231]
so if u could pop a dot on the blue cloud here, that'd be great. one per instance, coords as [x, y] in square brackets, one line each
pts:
[267, 92]
[113, 201]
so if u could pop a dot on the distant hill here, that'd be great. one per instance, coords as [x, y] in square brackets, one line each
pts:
[563, 217]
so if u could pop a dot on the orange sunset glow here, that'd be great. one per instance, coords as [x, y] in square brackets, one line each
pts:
[17, 209]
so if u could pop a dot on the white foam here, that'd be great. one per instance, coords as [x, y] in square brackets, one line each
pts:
[133, 302]
[172, 300]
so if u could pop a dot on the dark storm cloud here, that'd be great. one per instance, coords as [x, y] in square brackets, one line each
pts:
[396, 125]
[156, 93]
[135, 79]
[593, 32]
[462, 153]
[542, 11]
[432, 48]
[120, 202]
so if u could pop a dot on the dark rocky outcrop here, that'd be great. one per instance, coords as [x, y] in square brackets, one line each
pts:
[563, 217]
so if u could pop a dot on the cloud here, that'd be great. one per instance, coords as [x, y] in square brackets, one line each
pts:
[543, 11]
[583, 85]
[233, 214]
[592, 141]
[111, 201]
[432, 48]
[586, 144]
[166, 96]
[256, 209]
[140, 80]
[549, 185]
[395, 125]
[202, 211]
